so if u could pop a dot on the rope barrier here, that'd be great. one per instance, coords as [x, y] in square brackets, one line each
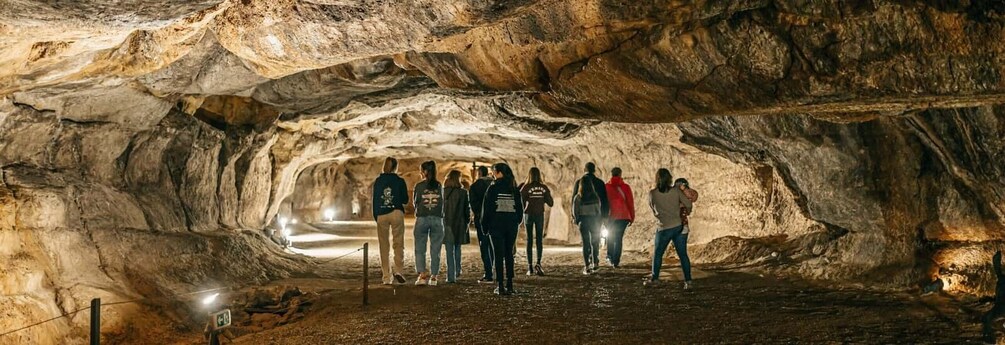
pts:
[148, 298]
[342, 256]
[41, 322]
[110, 304]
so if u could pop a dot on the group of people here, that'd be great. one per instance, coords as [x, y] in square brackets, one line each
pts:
[497, 206]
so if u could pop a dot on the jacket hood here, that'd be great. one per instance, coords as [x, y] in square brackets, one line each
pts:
[616, 180]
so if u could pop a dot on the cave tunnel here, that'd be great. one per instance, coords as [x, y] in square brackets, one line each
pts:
[183, 161]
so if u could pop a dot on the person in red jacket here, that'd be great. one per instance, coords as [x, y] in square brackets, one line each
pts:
[619, 194]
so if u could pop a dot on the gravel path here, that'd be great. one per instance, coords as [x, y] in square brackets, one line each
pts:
[612, 307]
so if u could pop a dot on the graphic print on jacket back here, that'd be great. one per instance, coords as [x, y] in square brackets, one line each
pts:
[430, 199]
[387, 199]
[506, 203]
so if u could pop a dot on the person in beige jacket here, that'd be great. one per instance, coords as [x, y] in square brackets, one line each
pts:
[666, 203]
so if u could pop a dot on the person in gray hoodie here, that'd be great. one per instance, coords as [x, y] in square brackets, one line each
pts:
[428, 202]
[666, 203]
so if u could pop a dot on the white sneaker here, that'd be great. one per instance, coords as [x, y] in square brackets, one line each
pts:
[387, 282]
[586, 270]
[687, 286]
[432, 281]
[422, 280]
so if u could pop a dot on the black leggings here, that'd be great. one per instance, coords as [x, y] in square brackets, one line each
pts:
[503, 242]
[535, 234]
[589, 228]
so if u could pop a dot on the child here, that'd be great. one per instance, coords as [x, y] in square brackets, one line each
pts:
[692, 195]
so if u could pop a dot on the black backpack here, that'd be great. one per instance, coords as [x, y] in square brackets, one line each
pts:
[589, 191]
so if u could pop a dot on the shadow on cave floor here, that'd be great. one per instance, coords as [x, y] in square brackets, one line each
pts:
[609, 307]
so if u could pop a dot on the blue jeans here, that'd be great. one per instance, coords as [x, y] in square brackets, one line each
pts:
[535, 232]
[453, 262]
[485, 247]
[663, 239]
[428, 228]
[615, 237]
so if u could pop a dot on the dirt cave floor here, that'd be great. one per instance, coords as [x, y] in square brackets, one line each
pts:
[610, 307]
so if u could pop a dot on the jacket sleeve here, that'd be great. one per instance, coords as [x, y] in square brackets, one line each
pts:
[519, 210]
[401, 198]
[547, 197]
[575, 210]
[524, 192]
[488, 208]
[472, 196]
[652, 206]
[573, 199]
[415, 196]
[373, 202]
[465, 207]
[630, 200]
[443, 210]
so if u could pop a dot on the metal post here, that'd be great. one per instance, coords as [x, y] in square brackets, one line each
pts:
[96, 321]
[366, 275]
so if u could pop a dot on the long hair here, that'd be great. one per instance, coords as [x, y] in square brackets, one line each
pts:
[390, 165]
[428, 169]
[453, 179]
[663, 179]
[534, 176]
[507, 173]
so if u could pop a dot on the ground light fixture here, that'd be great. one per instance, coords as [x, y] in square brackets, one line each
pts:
[286, 232]
[329, 214]
[282, 222]
[293, 221]
[208, 300]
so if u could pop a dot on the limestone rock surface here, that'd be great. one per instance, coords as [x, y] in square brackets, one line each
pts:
[145, 144]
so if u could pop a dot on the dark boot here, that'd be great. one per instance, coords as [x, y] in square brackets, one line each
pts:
[509, 287]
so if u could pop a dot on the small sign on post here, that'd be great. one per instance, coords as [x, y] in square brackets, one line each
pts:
[220, 319]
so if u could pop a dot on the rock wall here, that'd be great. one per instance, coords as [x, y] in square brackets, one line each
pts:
[97, 209]
[854, 141]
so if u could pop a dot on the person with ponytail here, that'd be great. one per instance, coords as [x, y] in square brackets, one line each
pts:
[535, 196]
[428, 202]
[502, 213]
[666, 203]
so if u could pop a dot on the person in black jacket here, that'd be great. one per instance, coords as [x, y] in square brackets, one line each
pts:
[535, 196]
[502, 213]
[590, 208]
[477, 197]
[389, 198]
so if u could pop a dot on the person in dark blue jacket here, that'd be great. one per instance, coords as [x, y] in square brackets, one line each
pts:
[502, 213]
[389, 198]
[477, 197]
